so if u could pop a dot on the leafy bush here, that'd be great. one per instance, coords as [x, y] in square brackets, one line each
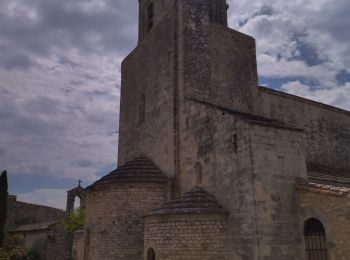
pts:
[16, 250]
[74, 221]
[3, 254]
[32, 254]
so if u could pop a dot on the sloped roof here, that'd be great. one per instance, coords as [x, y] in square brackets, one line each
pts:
[328, 175]
[325, 189]
[195, 201]
[33, 227]
[140, 169]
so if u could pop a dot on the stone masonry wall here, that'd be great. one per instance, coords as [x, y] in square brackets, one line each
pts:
[21, 213]
[78, 245]
[278, 160]
[217, 64]
[149, 70]
[59, 246]
[220, 141]
[187, 237]
[334, 213]
[114, 219]
[251, 168]
[327, 128]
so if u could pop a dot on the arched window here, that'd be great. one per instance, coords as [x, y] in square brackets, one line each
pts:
[142, 108]
[199, 175]
[149, 19]
[315, 240]
[77, 202]
[151, 255]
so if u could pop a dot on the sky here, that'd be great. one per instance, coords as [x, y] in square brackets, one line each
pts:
[60, 78]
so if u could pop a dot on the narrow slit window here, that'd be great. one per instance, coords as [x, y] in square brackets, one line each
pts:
[315, 240]
[150, 14]
[199, 174]
[234, 143]
[142, 108]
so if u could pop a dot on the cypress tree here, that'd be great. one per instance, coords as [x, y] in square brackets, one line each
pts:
[3, 206]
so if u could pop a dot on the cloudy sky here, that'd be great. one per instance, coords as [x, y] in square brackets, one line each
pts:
[60, 78]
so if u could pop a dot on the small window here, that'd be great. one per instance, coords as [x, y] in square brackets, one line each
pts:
[199, 176]
[151, 255]
[234, 143]
[315, 240]
[142, 108]
[149, 17]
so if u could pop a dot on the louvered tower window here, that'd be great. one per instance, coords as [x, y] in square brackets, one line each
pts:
[315, 240]
[150, 12]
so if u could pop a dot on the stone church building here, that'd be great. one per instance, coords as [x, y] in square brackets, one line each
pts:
[212, 166]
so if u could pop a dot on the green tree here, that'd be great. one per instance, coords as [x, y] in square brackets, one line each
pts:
[75, 220]
[3, 206]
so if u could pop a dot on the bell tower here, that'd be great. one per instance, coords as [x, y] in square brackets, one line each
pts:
[218, 11]
[185, 53]
[151, 12]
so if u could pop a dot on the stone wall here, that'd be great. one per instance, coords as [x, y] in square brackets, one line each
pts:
[149, 70]
[250, 166]
[21, 213]
[187, 236]
[114, 219]
[326, 127]
[278, 160]
[78, 245]
[217, 64]
[59, 243]
[334, 213]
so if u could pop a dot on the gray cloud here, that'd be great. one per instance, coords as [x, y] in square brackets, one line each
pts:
[36, 28]
[59, 84]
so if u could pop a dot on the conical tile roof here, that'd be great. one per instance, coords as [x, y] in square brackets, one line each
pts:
[140, 169]
[195, 201]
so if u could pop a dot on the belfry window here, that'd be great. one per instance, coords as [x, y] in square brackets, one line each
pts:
[151, 255]
[142, 108]
[315, 240]
[149, 19]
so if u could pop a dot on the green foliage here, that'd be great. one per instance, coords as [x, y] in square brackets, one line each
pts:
[3, 254]
[74, 221]
[3, 205]
[32, 254]
[16, 250]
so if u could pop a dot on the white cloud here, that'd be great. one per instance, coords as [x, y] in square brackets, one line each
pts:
[56, 198]
[307, 39]
[338, 96]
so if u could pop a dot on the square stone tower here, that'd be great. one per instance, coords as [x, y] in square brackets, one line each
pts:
[185, 54]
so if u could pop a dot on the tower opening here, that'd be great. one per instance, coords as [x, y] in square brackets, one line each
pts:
[150, 13]
[315, 240]
[77, 202]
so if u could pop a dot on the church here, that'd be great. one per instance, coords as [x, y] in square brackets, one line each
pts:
[210, 165]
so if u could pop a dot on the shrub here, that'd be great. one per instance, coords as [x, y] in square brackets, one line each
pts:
[74, 221]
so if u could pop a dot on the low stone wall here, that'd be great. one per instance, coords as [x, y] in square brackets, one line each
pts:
[78, 245]
[21, 213]
[187, 236]
[59, 243]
